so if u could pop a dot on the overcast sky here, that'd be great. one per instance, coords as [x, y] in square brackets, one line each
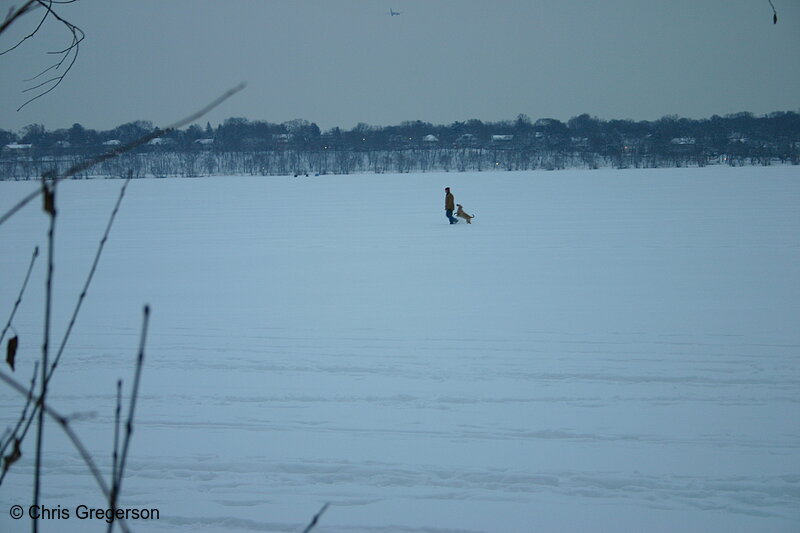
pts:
[341, 62]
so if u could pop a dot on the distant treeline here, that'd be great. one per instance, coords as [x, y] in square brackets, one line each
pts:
[240, 146]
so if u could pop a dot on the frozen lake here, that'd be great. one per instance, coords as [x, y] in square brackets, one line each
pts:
[600, 351]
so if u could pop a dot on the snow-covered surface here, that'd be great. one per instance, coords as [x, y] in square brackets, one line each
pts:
[600, 351]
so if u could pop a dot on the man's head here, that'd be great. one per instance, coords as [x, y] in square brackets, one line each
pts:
[447, 189]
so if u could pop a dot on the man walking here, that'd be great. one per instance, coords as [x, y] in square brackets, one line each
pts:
[449, 205]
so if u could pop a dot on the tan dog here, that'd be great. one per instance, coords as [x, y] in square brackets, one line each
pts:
[463, 214]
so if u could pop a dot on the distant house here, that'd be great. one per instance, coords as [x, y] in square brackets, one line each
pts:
[430, 139]
[282, 138]
[502, 138]
[16, 147]
[112, 142]
[204, 142]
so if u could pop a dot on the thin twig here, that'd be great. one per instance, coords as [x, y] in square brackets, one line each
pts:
[115, 456]
[77, 37]
[49, 191]
[89, 278]
[14, 15]
[314, 520]
[70, 51]
[191, 118]
[63, 421]
[21, 292]
[120, 473]
[22, 418]
[31, 34]
[76, 169]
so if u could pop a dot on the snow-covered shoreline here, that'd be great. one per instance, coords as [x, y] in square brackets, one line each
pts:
[298, 163]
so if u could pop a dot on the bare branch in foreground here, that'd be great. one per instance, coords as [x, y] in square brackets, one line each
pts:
[49, 192]
[15, 14]
[21, 292]
[314, 520]
[120, 468]
[69, 53]
[13, 435]
[49, 207]
[63, 421]
[88, 282]
[115, 452]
